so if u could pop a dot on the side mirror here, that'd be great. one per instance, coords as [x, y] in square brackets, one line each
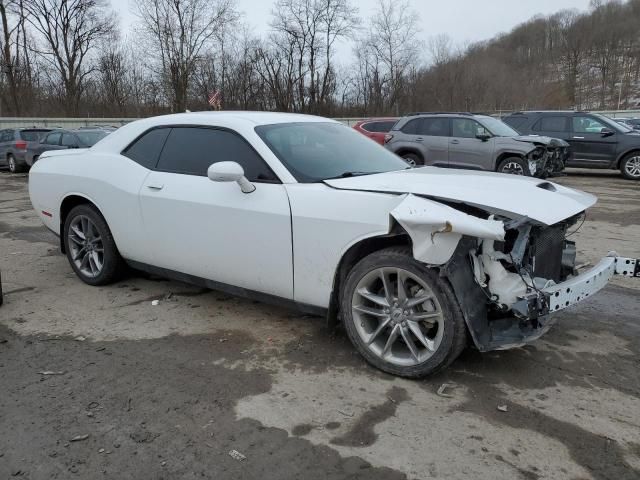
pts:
[230, 172]
[483, 136]
[607, 132]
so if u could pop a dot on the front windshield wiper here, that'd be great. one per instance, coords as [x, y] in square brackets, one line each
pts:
[350, 174]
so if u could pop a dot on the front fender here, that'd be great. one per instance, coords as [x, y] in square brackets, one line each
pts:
[436, 229]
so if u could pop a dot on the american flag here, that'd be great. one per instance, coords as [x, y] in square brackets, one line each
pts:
[215, 100]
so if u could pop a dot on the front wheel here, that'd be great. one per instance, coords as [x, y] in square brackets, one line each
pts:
[630, 166]
[400, 315]
[514, 166]
[90, 247]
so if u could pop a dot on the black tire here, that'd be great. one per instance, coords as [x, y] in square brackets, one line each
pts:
[629, 166]
[14, 165]
[113, 264]
[413, 159]
[510, 164]
[454, 337]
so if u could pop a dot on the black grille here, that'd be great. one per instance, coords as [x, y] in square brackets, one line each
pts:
[545, 252]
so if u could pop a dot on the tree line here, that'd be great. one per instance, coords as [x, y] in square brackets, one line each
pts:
[69, 58]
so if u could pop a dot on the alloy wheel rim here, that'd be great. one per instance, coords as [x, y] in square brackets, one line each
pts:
[397, 316]
[85, 246]
[12, 164]
[410, 161]
[513, 168]
[632, 167]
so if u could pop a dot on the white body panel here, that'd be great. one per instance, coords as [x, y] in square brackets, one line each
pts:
[213, 230]
[326, 223]
[506, 194]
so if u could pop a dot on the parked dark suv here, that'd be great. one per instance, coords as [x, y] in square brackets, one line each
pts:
[596, 141]
[15, 143]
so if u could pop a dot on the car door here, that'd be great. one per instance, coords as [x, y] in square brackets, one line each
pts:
[211, 229]
[433, 134]
[590, 146]
[466, 150]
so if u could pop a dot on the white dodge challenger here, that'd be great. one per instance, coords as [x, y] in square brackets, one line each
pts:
[305, 211]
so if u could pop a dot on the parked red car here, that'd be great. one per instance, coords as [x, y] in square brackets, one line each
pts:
[375, 128]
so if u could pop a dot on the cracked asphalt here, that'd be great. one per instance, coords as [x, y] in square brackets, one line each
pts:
[99, 383]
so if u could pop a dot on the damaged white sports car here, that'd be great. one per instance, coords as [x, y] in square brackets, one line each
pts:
[305, 211]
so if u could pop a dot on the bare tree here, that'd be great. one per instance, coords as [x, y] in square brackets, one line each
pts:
[68, 31]
[311, 28]
[15, 59]
[179, 31]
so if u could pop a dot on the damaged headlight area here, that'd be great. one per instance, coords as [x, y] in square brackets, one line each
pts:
[536, 160]
[547, 160]
[530, 259]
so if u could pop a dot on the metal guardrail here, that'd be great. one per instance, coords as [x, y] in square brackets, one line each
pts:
[25, 122]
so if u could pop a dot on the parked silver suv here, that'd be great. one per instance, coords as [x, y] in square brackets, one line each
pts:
[480, 142]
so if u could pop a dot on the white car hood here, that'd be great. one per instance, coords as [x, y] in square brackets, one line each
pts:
[508, 195]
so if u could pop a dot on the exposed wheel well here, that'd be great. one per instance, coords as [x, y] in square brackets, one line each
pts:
[352, 256]
[67, 205]
[505, 155]
[404, 151]
[624, 155]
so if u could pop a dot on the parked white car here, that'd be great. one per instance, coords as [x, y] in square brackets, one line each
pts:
[305, 211]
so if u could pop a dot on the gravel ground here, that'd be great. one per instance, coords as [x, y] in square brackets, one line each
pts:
[167, 391]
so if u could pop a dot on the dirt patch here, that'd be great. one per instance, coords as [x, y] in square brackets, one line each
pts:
[149, 409]
[362, 433]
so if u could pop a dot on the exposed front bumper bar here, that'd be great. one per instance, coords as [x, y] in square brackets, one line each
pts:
[562, 295]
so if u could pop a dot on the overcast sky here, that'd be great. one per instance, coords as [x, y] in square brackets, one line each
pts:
[463, 20]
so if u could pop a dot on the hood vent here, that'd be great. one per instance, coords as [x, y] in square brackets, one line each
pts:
[547, 186]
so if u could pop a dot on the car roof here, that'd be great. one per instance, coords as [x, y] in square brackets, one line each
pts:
[243, 122]
[562, 112]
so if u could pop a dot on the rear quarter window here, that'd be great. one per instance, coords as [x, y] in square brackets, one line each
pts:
[32, 135]
[146, 149]
[412, 127]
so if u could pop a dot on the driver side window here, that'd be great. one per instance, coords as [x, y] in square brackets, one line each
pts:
[587, 125]
[466, 128]
[192, 150]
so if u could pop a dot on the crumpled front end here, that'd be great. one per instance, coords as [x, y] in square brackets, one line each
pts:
[547, 157]
[508, 276]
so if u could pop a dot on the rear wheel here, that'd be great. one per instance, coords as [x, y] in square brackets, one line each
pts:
[400, 315]
[514, 166]
[630, 166]
[413, 159]
[14, 166]
[90, 247]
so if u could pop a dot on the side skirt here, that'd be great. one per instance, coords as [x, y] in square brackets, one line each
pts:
[229, 289]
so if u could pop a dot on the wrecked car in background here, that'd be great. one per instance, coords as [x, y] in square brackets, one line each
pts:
[476, 142]
[306, 212]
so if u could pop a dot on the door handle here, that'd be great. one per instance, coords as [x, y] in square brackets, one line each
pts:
[155, 186]
[578, 138]
[455, 142]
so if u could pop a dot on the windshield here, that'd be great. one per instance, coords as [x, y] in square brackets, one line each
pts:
[498, 127]
[618, 127]
[314, 151]
[90, 138]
